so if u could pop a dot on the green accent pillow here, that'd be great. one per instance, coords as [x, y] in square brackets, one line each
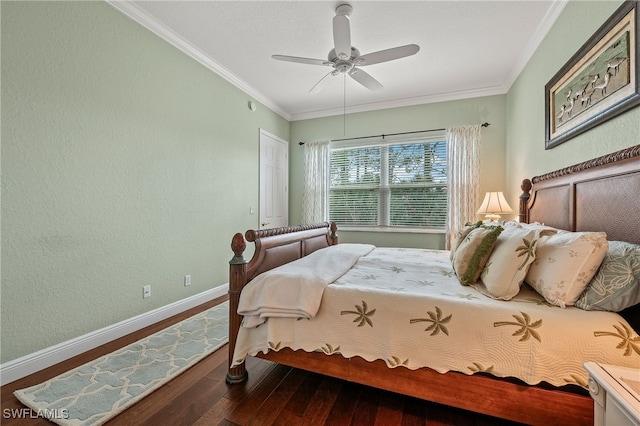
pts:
[616, 284]
[462, 234]
[473, 252]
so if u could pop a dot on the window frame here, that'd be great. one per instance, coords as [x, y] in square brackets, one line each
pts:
[385, 187]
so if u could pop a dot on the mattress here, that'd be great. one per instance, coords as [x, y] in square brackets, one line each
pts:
[408, 308]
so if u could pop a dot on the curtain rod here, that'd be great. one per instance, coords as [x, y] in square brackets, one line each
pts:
[390, 134]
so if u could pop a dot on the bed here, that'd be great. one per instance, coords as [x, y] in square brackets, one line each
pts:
[579, 198]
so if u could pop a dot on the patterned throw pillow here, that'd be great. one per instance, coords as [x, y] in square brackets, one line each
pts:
[509, 262]
[543, 229]
[616, 285]
[565, 263]
[460, 236]
[472, 253]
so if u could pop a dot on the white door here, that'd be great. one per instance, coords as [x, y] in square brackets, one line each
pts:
[274, 181]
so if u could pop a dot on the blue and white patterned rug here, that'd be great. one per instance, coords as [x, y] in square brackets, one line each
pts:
[97, 391]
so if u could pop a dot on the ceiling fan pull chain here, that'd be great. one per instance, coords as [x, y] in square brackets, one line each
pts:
[344, 105]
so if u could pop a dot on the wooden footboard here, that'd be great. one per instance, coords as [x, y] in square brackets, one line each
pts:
[273, 248]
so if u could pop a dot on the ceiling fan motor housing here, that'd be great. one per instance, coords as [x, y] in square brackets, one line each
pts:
[344, 10]
[333, 57]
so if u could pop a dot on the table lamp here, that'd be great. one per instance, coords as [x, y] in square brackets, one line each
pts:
[494, 205]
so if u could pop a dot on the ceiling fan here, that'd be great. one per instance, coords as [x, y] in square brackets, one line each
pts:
[345, 59]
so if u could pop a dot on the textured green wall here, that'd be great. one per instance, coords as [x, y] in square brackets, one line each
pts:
[421, 117]
[525, 102]
[124, 163]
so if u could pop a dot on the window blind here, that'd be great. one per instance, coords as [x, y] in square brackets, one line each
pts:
[390, 183]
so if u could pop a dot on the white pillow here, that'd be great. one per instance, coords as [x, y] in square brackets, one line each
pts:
[509, 262]
[565, 263]
[544, 229]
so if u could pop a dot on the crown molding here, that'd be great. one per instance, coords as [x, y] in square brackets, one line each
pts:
[541, 32]
[149, 22]
[398, 103]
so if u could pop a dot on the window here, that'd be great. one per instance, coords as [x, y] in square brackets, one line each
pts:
[398, 183]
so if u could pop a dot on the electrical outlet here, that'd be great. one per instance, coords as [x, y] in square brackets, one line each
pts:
[146, 291]
[187, 280]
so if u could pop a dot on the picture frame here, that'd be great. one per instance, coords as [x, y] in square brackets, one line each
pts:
[599, 82]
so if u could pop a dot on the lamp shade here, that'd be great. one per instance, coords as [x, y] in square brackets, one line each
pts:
[493, 205]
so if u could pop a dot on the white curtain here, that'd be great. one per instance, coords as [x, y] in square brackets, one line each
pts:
[315, 201]
[463, 158]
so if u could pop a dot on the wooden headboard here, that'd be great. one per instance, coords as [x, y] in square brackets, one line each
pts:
[602, 194]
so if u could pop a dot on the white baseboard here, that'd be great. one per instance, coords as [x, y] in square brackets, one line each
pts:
[29, 364]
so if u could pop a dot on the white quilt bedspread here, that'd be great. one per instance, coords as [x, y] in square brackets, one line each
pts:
[294, 290]
[406, 306]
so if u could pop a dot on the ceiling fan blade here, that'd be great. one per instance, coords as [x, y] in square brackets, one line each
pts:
[342, 36]
[318, 86]
[388, 54]
[302, 60]
[365, 79]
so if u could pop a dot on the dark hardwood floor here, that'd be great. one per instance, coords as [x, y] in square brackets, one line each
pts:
[273, 395]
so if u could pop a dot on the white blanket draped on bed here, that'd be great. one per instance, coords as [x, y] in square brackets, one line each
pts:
[406, 307]
[295, 289]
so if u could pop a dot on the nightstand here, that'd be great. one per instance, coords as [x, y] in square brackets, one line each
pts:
[616, 394]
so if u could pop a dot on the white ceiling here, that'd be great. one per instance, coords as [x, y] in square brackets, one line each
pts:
[467, 48]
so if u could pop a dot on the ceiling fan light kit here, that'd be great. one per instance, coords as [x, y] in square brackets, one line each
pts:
[345, 59]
